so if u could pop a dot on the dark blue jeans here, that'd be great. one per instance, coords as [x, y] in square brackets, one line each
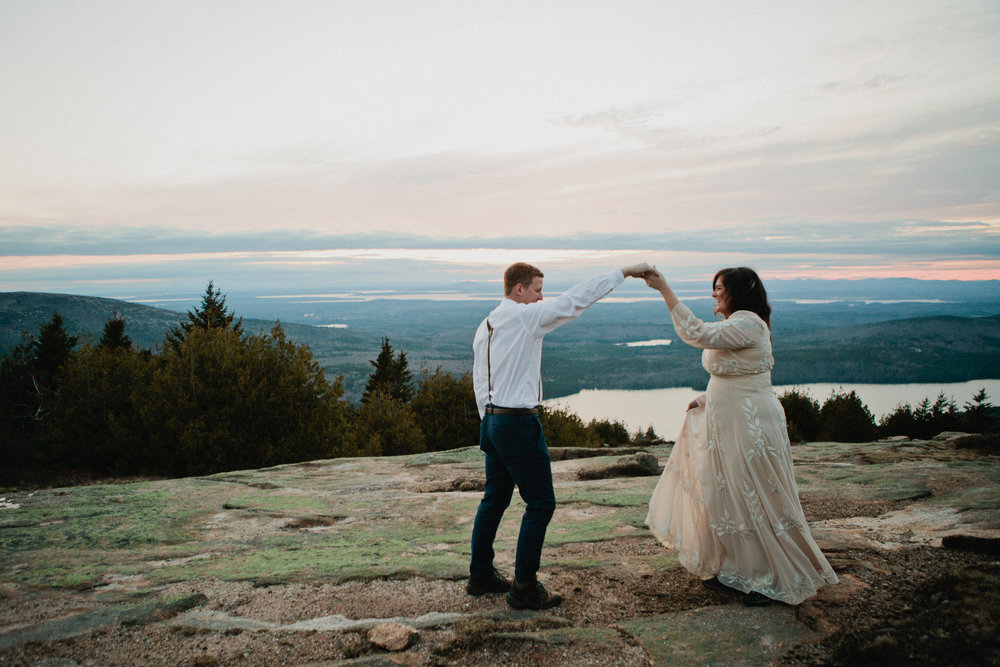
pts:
[516, 455]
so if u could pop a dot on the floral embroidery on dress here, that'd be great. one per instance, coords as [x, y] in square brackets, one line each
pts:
[772, 482]
[729, 526]
[713, 444]
[760, 444]
[790, 521]
[752, 500]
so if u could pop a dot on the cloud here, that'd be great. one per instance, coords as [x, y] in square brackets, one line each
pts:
[916, 237]
[161, 261]
[700, 133]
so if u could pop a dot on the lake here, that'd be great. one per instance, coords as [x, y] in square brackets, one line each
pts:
[664, 409]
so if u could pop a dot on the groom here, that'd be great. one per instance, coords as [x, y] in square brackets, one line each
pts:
[506, 375]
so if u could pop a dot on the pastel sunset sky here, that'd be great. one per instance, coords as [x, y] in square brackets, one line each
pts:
[150, 146]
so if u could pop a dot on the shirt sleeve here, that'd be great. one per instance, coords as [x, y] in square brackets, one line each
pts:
[549, 314]
[734, 333]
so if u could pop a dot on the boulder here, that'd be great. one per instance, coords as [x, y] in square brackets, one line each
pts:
[570, 453]
[466, 484]
[393, 636]
[640, 464]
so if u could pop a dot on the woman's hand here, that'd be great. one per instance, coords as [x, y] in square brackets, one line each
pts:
[655, 280]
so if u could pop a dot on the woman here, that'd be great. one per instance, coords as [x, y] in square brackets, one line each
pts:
[727, 500]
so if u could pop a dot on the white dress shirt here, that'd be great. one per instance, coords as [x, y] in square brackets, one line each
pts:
[507, 365]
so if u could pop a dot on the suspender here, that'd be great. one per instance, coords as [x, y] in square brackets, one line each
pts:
[489, 372]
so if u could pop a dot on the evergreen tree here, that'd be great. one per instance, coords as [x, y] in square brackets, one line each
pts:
[446, 411]
[978, 415]
[846, 419]
[18, 386]
[403, 379]
[944, 415]
[211, 315]
[648, 434]
[802, 416]
[93, 422]
[391, 375]
[28, 382]
[386, 426]
[900, 421]
[20, 423]
[609, 432]
[51, 351]
[222, 401]
[114, 337]
[565, 429]
[922, 413]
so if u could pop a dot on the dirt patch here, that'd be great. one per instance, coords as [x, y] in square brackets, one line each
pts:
[818, 507]
[308, 522]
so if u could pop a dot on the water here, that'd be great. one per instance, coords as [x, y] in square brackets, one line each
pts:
[664, 409]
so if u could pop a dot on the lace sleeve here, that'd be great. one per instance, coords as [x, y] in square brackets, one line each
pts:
[742, 329]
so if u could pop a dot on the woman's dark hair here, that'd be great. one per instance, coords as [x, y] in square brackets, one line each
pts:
[745, 291]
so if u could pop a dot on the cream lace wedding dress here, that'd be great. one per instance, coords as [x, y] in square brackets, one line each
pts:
[727, 500]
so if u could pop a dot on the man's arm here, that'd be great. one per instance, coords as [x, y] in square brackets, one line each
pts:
[550, 314]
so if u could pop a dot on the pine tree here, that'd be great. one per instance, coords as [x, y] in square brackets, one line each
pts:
[51, 350]
[846, 419]
[391, 375]
[402, 378]
[446, 412]
[978, 416]
[92, 419]
[385, 426]
[114, 337]
[223, 401]
[211, 315]
[28, 383]
[19, 406]
[802, 415]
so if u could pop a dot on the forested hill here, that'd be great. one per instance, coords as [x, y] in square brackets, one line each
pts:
[340, 351]
[923, 349]
[830, 342]
[24, 313]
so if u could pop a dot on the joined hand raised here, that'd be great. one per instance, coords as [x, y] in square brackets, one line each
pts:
[640, 270]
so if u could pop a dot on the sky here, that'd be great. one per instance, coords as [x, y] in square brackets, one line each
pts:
[149, 147]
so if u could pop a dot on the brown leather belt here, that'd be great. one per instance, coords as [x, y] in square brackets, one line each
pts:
[494, 410]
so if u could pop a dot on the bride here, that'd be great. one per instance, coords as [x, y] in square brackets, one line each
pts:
[727, 499]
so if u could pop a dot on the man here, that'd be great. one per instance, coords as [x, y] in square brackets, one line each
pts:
[507, 379]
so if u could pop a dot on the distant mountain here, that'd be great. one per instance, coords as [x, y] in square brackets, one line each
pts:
[813, 342]
[25, 312]
[341, 351]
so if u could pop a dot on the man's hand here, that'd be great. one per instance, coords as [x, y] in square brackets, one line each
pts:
[637, 270]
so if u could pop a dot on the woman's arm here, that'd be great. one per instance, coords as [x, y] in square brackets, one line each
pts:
[731, 334]
[657, 281]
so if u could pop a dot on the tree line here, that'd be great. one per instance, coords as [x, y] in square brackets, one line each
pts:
[214, 397]
[843, 417]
